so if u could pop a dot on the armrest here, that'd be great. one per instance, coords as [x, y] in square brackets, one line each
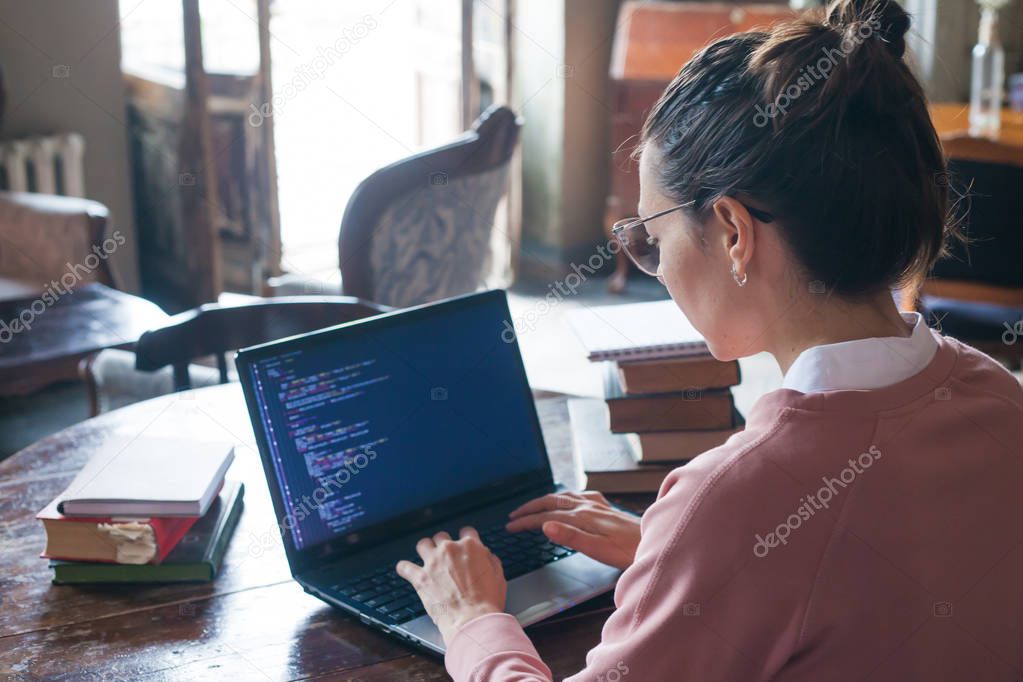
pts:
[319, 284]
[45, 237]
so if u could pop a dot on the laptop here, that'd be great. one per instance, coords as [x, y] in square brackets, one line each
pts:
[376, 433]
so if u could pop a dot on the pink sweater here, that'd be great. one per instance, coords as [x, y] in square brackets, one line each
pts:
[844, 535]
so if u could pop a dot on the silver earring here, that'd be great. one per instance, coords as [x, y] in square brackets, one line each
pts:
[735, 276]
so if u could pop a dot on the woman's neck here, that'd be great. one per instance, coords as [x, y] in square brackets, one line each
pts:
[825, 319]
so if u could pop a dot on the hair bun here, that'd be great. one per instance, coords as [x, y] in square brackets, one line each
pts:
[884, 20]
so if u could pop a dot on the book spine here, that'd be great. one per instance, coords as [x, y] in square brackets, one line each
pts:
[639, 415]
[215, 554]
[648, 378]
[169, 532]
[77, 572]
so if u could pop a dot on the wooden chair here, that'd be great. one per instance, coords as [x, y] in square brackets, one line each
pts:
[419, 230]
[48, 238]
[163, 360]
[976, 294]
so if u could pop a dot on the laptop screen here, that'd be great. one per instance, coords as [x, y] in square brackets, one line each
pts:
[392, 417]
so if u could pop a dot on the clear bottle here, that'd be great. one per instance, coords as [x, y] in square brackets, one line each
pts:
[987, 77]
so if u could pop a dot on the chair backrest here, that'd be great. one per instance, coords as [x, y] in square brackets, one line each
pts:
[990, 172]
[419, 229]
[52, 238]
[214, 329]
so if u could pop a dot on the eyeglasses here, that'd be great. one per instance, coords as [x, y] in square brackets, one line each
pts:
[644, 250]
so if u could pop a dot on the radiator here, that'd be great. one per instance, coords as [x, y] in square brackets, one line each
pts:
[50, 164]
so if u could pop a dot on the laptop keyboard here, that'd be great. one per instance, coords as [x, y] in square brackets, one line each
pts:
[392, 598]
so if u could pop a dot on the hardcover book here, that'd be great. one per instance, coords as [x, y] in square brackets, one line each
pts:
[676, 374]
[675, 446]
[684, 410]
[148, 477]
[197, 557]
[605, 459]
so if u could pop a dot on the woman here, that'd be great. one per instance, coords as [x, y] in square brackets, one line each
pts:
[866, 524]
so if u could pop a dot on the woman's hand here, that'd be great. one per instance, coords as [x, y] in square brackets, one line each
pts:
[585, 522]
[458, 581]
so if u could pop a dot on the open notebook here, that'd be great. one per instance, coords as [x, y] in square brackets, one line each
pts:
[636, 331]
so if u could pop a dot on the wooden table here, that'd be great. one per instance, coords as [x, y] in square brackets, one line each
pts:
[86, 320]
[953, 118]
[253, 621]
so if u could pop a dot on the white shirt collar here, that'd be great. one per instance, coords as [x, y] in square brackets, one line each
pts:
[864, 363]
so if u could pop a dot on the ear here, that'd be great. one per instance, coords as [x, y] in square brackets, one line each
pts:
[738, 237]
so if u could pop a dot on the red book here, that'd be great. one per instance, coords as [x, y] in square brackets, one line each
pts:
[111, 539]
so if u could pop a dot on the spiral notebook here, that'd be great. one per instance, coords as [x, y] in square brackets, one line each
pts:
[636, 331]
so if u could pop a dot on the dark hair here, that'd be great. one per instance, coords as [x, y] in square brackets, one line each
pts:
[818, 121]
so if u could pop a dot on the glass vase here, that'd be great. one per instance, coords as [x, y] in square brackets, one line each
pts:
[987, 77]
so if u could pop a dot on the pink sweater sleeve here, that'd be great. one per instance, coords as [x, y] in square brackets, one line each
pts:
[688, 608]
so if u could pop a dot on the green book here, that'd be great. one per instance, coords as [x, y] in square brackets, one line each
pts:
[196, 558]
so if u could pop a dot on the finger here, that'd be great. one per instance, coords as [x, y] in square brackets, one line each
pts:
[537, 505]
[441, 537]
[469, 533]
[409, 571]
[575, 538]
[594, 496]
[495, 563]
[569, 500]
[535, 521]
[424, 547]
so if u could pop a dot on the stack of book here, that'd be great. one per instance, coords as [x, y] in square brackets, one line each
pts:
[144, 510]
[666, 398]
